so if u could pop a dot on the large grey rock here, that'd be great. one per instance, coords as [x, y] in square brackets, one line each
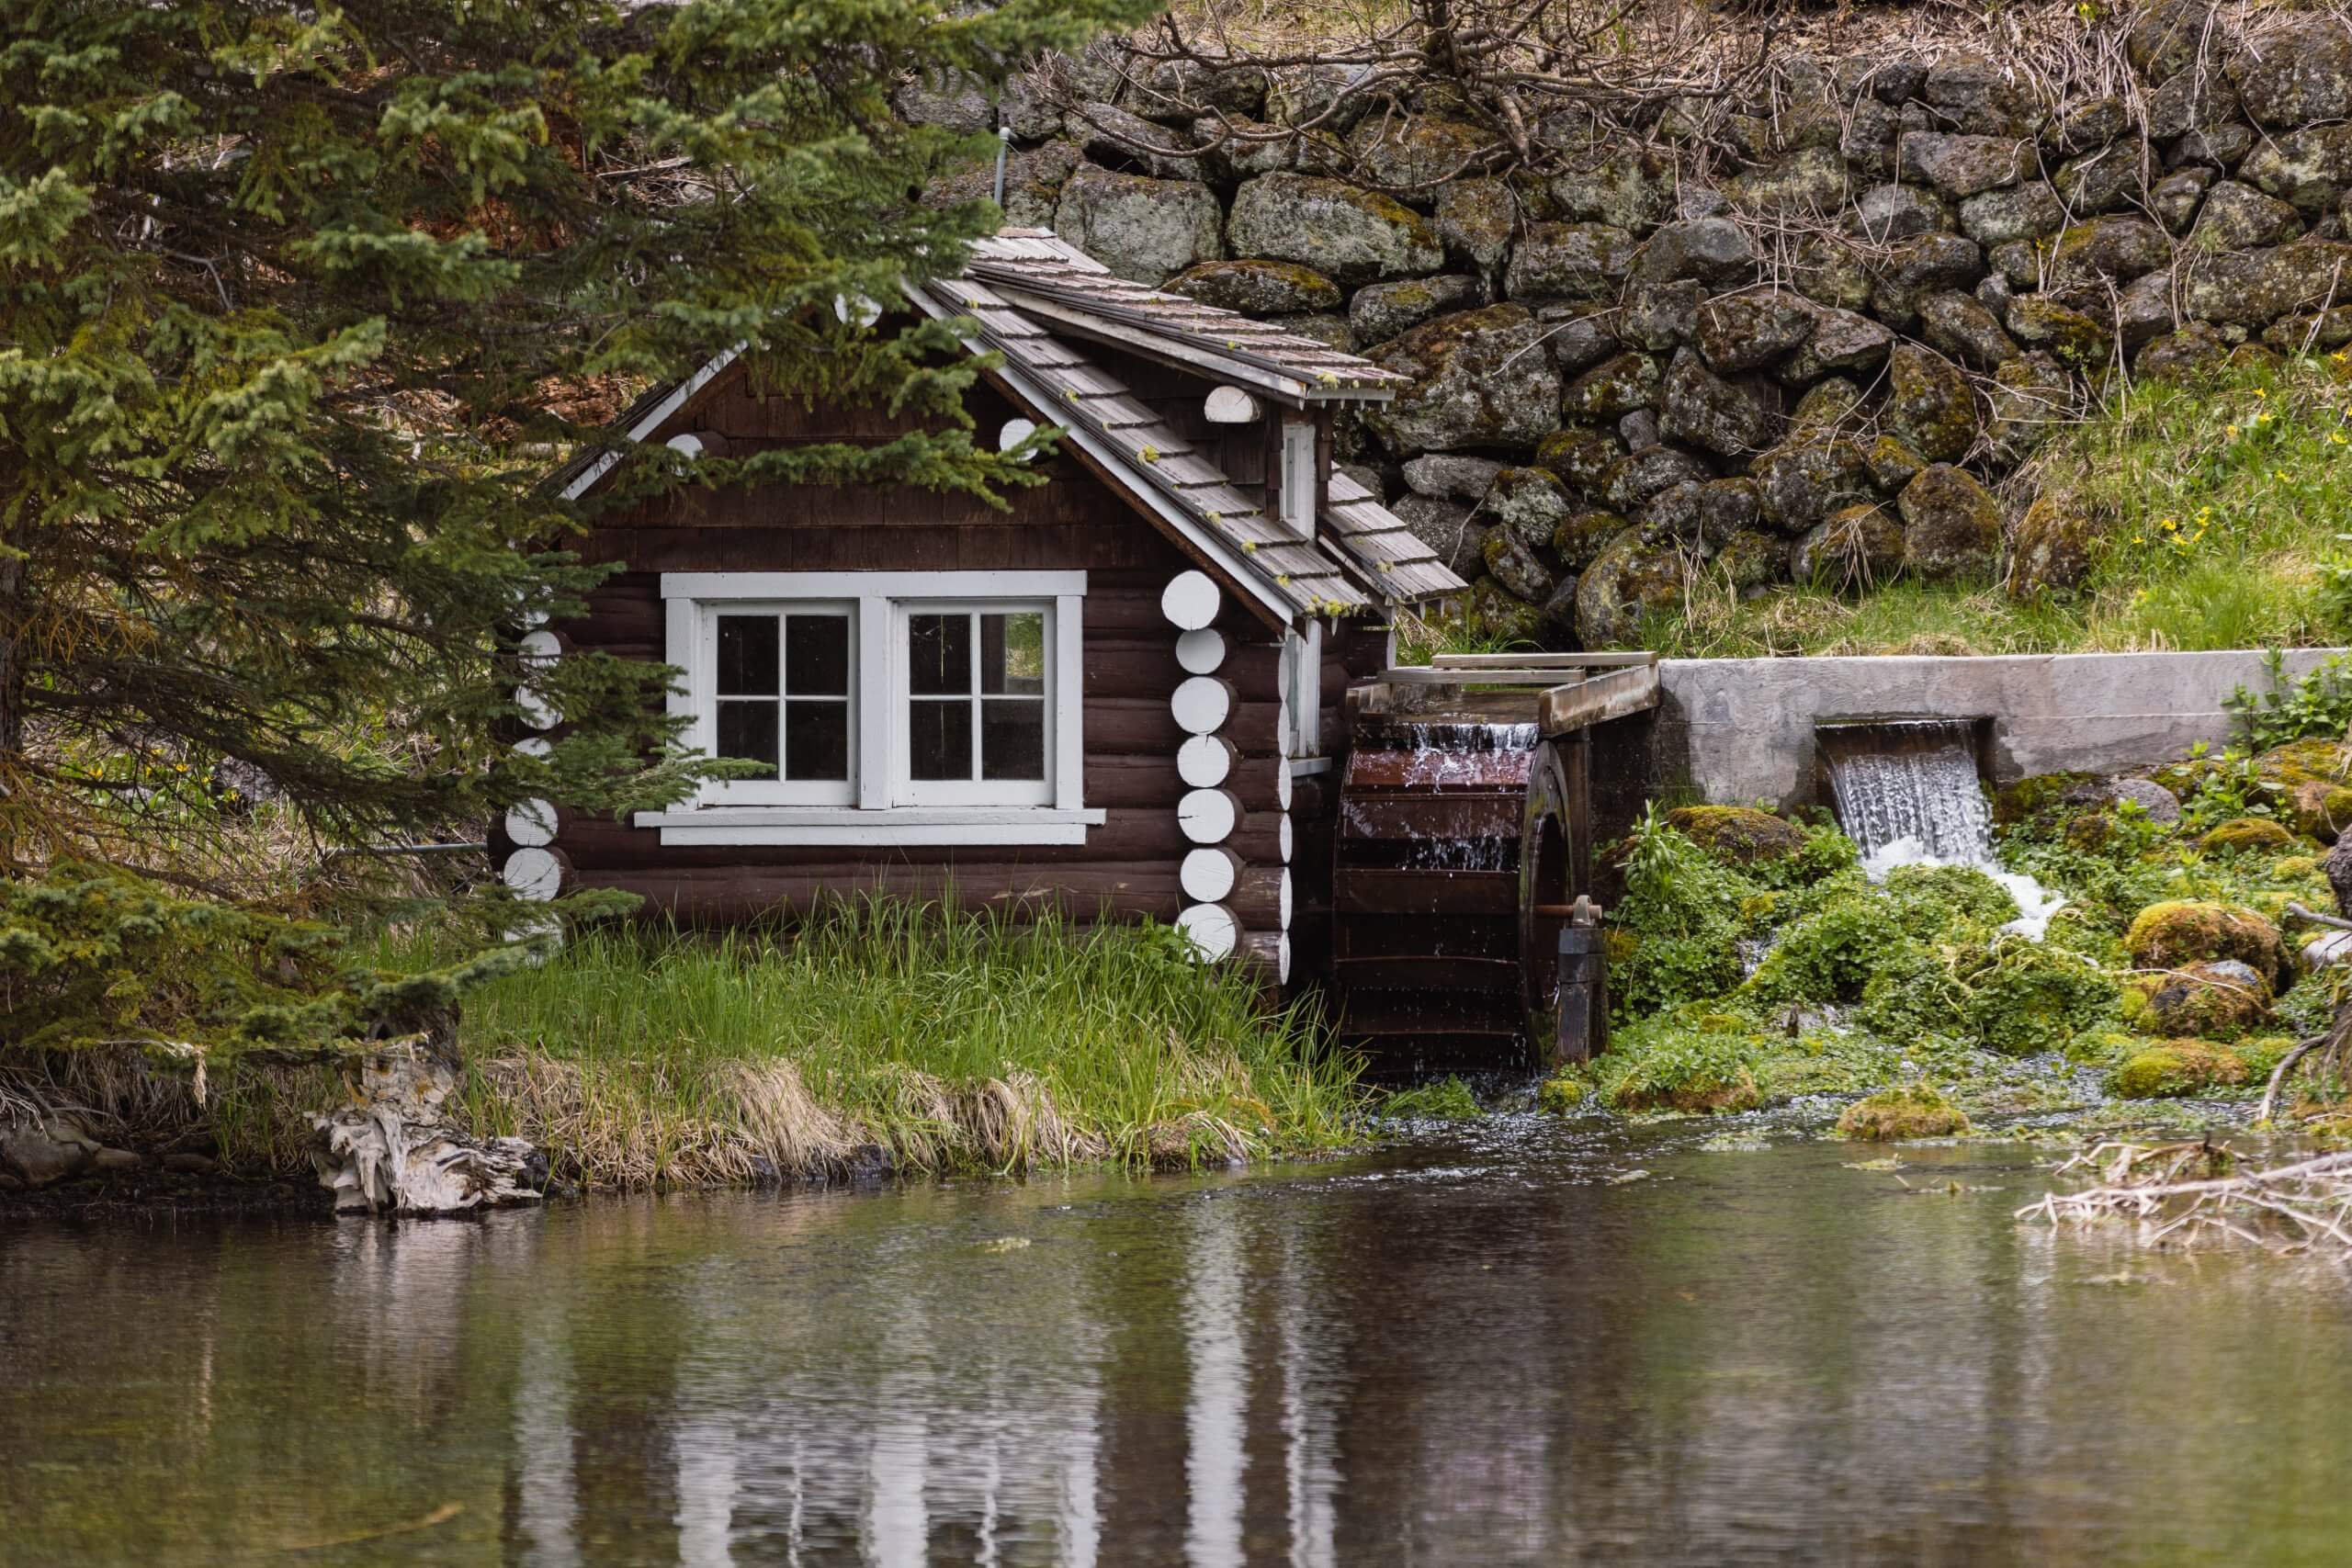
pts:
[1445, 527]
[2088, 127]
[1579, 336]
[2073, 338]
[2167, 37]
[1634, 577]
[1614, 387]
[1116, 139]
[1700, 409]
[1581, 457]
[1452, 475]
[1961, 166]
[1179, 90]
[1809, 475]
[1711, 250]
[1632, 189]
[1810, 180]
[1831, 270]
[1412, 153]
[1319, 97]
[1661, 316]
[1569, 261]
[2033, 397]
[2145, 310]
[1929, 406]
[1529, 504]
[1855, 548]
[1972, 94]
[1476, 219]
[2111, 247]
[949, 99]
[39, 1151]
[2296, 71]
[1140, 228]
[1480, 379]
[1916, 268]
[1513, 564]
[1828, 403]
[2239, 218]
[1871, 133]
[1748, 332]
[2024, 211]
[2195, 349]
[1258, 287]
[1840, 342]
[2310, 168]
[1245, 148]
[1637, 475]
[1959, 325]
[1886, 213]
[1381, 310]
[2176, 198]
[1354, 236]
[1951, 525]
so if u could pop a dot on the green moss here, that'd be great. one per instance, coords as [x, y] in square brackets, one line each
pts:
[2032, 796]
[1740, 835]
[1895, 1115]
[1562, 1093]
[2247, 833]
[1704, 1065]
[1827, 956]
[1442, 1099]
[1929, 898]
[2182, 931]
[2211, 1001]
[2178, 1068]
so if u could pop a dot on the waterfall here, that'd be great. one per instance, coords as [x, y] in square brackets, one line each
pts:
[1908, 795]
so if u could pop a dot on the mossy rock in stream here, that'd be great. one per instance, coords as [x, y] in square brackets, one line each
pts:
[1741, 835]
[2188, 930]
[2029, 797]
[1928, 898]
[1899, 1115]
[2178, 1068]
[2215, 1001]
[2241, 833]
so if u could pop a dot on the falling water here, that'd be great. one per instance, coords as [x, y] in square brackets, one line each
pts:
[1907, 793]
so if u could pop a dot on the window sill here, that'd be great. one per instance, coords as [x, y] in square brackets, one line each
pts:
[912, 825]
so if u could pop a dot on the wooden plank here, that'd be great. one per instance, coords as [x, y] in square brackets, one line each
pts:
[1429, 973]
[1444, 816]
[1598, 700]
[1541, 661]
[1358, 890]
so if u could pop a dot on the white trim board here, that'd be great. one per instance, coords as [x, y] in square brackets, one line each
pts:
[711, 586]
[777, 825]
[652, 421]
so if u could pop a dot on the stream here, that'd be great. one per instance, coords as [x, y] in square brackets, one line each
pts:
[1519, 1340]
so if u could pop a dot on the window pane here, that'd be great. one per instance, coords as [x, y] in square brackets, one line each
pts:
[939, 654]
[1014, 654]
[748, 731]
[816, 655]
[815, 741]
[747, 661]
[939, 740]
[1012, 739]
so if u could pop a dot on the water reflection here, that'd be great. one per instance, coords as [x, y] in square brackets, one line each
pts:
[1484, 1353]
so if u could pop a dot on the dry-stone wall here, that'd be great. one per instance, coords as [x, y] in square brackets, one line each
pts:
[1811, 363]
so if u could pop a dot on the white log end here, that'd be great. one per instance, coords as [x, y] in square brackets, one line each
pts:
[1214, 933]
[1201, 651]
[1208, 875]
[533, 873]
[1190, 600]
[1201, 704]
[1209, 816]
[1231, 405]
[1205, 762]
[531, 823]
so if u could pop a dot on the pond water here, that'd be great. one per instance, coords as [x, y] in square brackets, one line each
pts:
[1490, 1346]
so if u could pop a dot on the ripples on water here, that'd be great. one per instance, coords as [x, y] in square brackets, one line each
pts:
[1488, 1347]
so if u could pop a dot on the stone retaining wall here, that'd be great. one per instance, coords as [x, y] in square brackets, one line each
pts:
[1816, 362]
[1741, 730]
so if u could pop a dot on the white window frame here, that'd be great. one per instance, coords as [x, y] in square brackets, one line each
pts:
[881, 805]
[908, 790]
[777, 791]
[1298, 478]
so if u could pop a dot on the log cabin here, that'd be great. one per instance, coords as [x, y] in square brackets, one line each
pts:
[1122, 695]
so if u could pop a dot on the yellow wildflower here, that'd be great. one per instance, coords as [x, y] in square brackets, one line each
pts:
[2260, 393]
[2230, 430]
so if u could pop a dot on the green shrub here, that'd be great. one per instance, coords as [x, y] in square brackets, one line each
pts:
[1827, 956]
[1930, 899]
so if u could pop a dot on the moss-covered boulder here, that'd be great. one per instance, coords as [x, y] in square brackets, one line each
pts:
[1741, 835]
[1614, 387]
[1140, 228]
[1258, 287]
[1475, 219]
[1632, 577]
[1381, 310]
[1894, 464]
[2176, 1068]
[1962, 166]
[1810, 475]
[2040, 321]
[1856, 547]
[2053, 549]
[1582, 536]
[2034, 795]
[1951, 525]
[1528, 502]
[2305, 761]
[1632, 188]
[1579, 455]
[1354, 236]
[1827, 404]
[1748, 332]
[1751, 558]
[1637, 477]
[1928, 404]
[1569, 261]
[2190, 930]
[1700, 409]
[1962, 328]
[1902, 1115]
[1510, 562]
[1413, 151]
[2241, 833]
[1480, 380]
[2320, 808]
[2218, 1000]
